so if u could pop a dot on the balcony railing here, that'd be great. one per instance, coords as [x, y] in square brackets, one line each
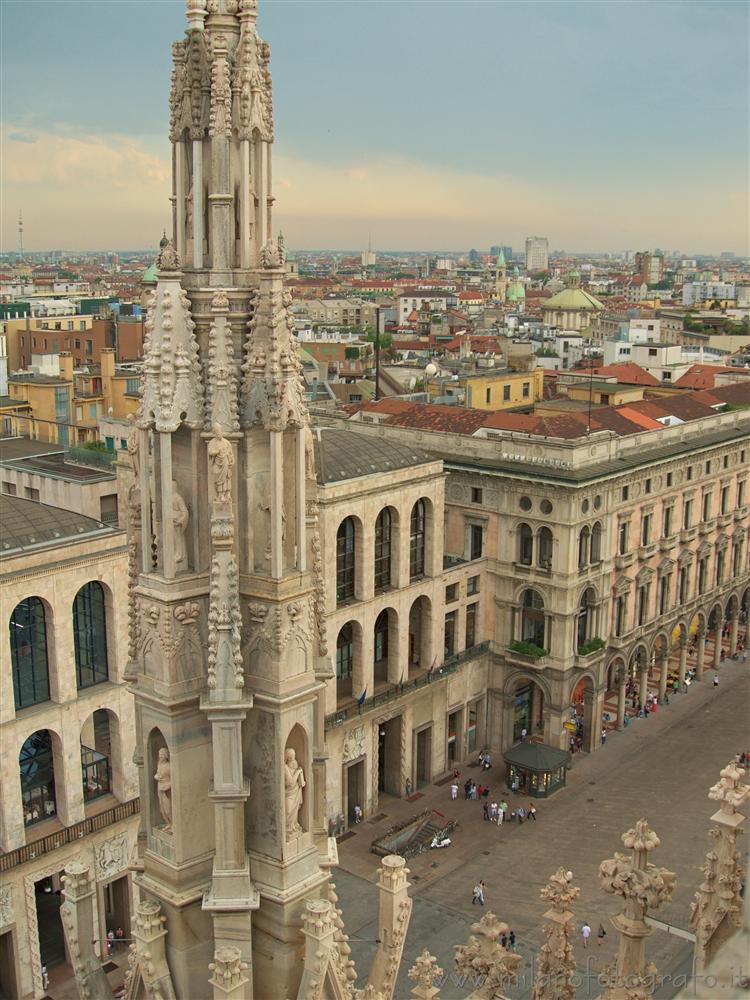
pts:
[69, 834]
[450, 665]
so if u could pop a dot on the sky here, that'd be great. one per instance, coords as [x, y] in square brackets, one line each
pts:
[425, 125]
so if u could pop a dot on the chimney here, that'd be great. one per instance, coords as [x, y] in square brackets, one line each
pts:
[66, 365]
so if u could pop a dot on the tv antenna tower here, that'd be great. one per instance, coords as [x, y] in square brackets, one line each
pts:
[20, 233]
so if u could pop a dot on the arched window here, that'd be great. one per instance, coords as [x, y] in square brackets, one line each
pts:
[345, 652]
[525, 545]
[90, 635]
[345, 560]
[544, 548]
[532, 618]
[37, 778]
[383, 550]
[381, 637]
[28, 653]
[417, 540]
[585, 616]
[596, 544]
[583, 547]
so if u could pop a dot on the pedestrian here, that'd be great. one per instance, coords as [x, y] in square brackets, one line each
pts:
[493, 812]
[409, 788]
[487, 761]
[120, 935]
[512, 940]
[504, 940]
[586, 932]
[486, 810]
[45, 978]
[454, 791]
[604, 736]
[358, 814]
[467, 788]
[500, 816]
[532, 811]
[524, 734]
[521, 813]
[568, 876]
[473, 791]
[600, 935]
[504, 808]
[476, 894]
[716, 680]
[110, 940]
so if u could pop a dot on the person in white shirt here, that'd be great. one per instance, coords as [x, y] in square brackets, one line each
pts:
[586, 932]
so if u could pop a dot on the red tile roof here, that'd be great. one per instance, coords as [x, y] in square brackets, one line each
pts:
[628, 373]
[701, 376]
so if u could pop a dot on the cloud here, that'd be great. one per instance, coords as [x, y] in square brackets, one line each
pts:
[108, 191]
[21, 137]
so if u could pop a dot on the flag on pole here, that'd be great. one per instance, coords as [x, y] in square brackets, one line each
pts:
[361, 699]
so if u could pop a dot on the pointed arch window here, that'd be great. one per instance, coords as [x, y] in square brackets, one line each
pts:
[417, 540]
[90, 635]
[383, 550]
[28, 652]
[345, 560]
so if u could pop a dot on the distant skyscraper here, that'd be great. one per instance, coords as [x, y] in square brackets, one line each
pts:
[368, 257]
[20, 233]
[537, 253]
[507, 252]
[474, 256]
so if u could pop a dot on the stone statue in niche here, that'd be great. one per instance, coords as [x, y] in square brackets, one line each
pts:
[180, 517]
[294, 782]
[309, 455]
[221, 457]
[163, 778]
[134, 445]
[189, 213]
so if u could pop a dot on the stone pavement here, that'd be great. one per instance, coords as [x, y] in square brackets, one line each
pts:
[659, 768]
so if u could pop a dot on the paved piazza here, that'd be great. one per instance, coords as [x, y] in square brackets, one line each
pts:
[659, 768]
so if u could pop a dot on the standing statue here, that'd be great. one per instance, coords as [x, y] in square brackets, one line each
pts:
[221, 457]
[294, 782]
[163, 779]
[180, 517]
[133, 444]
[310, 472]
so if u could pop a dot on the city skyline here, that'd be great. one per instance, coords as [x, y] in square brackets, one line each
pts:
[580, 126]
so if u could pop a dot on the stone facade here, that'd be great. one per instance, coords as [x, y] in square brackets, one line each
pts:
[37, 849]
[422, 677]
[579, 531]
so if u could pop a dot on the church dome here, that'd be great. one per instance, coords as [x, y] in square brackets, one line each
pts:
[575, 300]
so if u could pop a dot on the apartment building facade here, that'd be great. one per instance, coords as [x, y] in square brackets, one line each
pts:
[69, 787]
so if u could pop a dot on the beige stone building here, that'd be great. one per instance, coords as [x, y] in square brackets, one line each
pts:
[609, 556]
[69, 788]
[404, 622]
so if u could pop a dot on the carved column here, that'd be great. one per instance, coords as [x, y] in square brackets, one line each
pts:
[77, 914]
[717, 644]
[643, 684]
[557, 965]
[683, 662]
[663, 675]
[643, 887]
[149, 937]
[393, 922]
[734, 625]
[716, 913]
[700, 652]
[621, 686]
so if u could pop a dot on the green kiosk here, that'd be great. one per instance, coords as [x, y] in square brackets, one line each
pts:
[535, 769]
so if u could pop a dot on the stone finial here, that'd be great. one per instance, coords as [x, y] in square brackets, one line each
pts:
[228, 971]
[168, 259]
[424, 972]
[196, 11]
[643, 887]
[76, 880]
[715, 912]
[272, 255]
[484, 959]
[393, 875]
[728, 790]
[557, 964]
